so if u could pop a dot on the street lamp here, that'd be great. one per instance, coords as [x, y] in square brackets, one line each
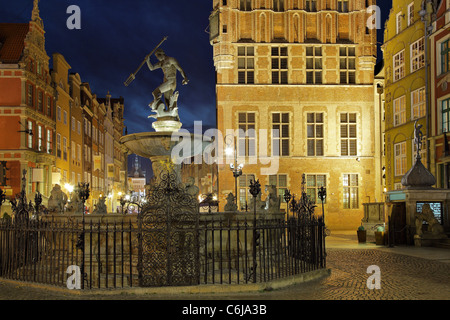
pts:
[255, 189]
[322, 196]
[234, 167]
[287, 199]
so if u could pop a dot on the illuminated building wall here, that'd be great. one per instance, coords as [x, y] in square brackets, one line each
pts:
[404, 52]
[307, 69]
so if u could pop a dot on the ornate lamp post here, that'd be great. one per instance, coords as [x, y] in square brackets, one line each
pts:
[287, 198]
[255, 189]
[234, 167]
[322, 196]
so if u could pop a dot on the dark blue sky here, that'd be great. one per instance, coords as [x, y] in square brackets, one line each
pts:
[115, 37]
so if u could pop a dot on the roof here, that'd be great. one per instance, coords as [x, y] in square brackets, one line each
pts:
[12, 39]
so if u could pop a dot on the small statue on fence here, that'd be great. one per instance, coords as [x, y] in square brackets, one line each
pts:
[100, 207]
[273, 201]
[75, 204]
[191, 188]
[57, 200]
[231, 204]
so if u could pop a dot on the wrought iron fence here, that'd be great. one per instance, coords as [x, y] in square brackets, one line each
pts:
[42, 250]
[158, 248]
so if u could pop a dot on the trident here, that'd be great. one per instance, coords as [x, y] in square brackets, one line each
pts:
[133, 75]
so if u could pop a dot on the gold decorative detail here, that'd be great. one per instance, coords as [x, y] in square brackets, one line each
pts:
[167, 165]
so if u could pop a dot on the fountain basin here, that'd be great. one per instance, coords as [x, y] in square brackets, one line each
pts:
[161, 147]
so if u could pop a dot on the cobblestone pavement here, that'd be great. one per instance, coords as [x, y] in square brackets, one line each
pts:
[403, 277]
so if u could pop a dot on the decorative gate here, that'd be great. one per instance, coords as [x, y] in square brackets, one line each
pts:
[168, 235]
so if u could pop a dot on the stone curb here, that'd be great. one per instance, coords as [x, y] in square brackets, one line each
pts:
[200, 289]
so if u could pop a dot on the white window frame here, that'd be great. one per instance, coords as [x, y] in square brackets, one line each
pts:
[312, 189]
[398, 22]
[399, 108]
[399, 65]
[417, 53]
[350, 190]
[280, 138]
[411, 13]
[418, 102]
[400, 159]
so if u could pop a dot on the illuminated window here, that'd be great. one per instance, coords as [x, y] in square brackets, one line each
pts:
[350, 183]
[399, 111]
[399, 65]
[280, 134]
[40, 138]
[279, 65]
[347, 65]
[246, 65]
[65, 148]
[58, 145]
[247, 134]
[410, 14]
[418, 103]
[30, 136]
[314, 65]
[315, 134]
[348, 134]
[400, 158]
[49, 141]
[417, 55]
[398, 21]
[313, 184]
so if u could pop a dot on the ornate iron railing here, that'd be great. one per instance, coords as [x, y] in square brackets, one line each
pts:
[168, 243]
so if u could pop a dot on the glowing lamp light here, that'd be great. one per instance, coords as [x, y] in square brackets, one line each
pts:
[69, 187]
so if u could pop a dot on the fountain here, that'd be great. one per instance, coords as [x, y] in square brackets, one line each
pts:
[163, 146]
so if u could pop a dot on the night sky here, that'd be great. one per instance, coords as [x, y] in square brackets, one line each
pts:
[115, 37]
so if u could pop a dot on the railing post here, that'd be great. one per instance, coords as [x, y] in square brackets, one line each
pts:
[83, 192]
[255, 189]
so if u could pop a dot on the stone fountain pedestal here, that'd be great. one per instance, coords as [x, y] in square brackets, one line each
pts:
[166, 148]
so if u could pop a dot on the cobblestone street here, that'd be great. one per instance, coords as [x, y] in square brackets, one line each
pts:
[405, 275]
